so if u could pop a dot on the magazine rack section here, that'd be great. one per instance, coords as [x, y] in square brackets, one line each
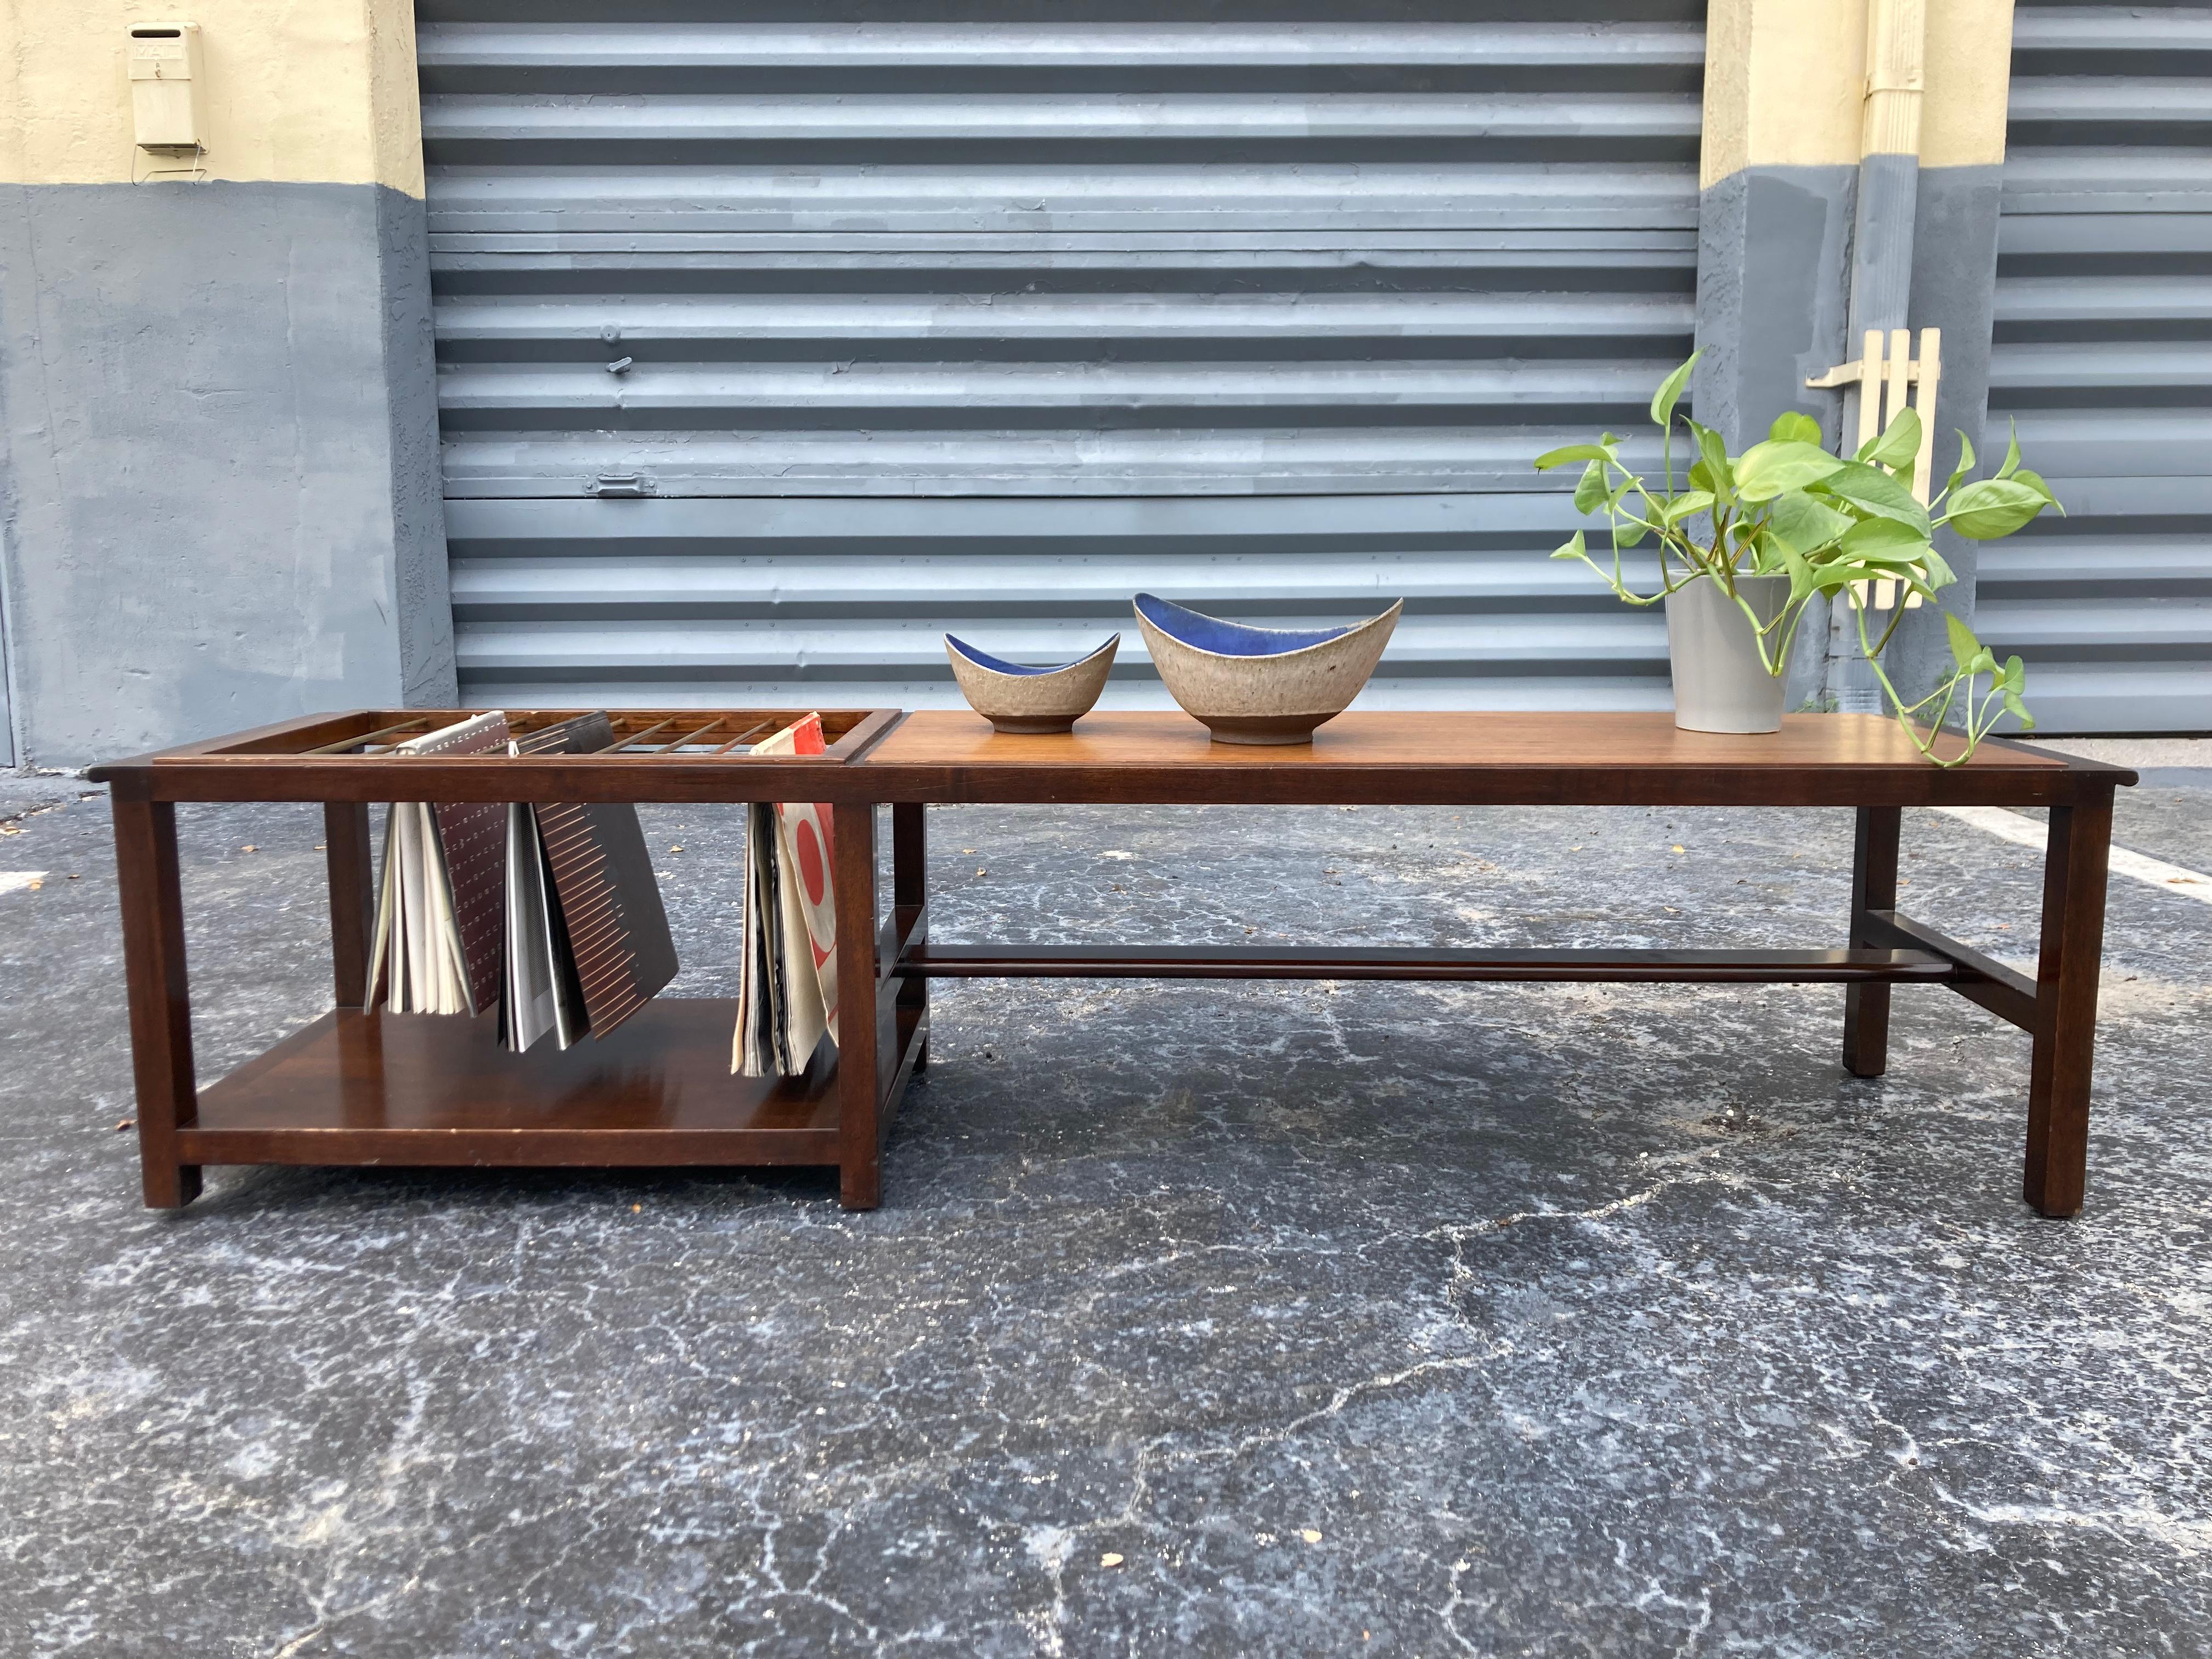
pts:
[380, 1088]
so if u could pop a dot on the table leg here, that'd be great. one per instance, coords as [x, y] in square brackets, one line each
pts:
[161, 1004]
[909, 893]
[1874, 887]
[352, 885]
[2074, 878]
[852, 835]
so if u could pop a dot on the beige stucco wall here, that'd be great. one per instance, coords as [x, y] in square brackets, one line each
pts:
[1785, 83]
[298, 90]
[1962, 120]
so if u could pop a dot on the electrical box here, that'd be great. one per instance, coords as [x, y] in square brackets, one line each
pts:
[165, 89]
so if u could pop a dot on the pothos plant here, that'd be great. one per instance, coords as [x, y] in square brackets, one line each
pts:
[1832, 526]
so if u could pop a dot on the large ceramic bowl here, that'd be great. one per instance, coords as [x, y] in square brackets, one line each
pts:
[1016, 699]
[1260, 684]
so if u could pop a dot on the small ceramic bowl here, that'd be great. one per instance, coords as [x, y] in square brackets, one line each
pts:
[1022, 700]
[1260, 684]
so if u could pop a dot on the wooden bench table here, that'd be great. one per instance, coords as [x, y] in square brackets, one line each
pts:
[416, 1089]
[1863, 761]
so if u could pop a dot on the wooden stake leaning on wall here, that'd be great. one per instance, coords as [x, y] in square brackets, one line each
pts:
[1928, 376]
[1898, 371]
[1869, 379]
[1900, 389]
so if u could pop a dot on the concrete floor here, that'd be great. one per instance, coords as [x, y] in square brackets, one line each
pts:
[1305, 1320]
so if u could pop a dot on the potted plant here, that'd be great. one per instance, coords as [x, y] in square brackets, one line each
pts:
[1748, 540]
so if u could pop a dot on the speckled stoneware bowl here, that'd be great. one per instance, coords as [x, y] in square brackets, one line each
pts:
[1022, 700]
[1260, 684]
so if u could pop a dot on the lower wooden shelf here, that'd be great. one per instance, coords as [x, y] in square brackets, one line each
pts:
[430, 1090]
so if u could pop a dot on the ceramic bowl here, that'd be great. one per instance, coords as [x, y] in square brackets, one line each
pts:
[1260, 684]
[1016, 699]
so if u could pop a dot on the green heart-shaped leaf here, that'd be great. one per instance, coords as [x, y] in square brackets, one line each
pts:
[1670, 389]
[1765, 470]
[1552, 458]
[1898, 445]
[1873, 492]
[1992, 508]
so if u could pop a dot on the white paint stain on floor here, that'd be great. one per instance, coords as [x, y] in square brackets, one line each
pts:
[2016, 827]
[22, 881]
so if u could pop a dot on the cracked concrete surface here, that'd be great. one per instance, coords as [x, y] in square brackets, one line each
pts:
[1355, 1319]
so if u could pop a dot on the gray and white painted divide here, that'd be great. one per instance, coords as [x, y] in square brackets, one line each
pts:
[218, 482]
[1850, 181]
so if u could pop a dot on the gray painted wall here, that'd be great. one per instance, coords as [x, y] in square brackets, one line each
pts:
[1954, 272]
[219, 488]
[1777, 248]
[1773, 246]
[7, 704]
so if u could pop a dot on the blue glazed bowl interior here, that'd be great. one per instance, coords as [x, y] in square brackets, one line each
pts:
[1000, 665]
[1229, 639]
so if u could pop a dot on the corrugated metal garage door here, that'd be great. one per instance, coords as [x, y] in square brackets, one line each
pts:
[2103, 355]
[774, 341]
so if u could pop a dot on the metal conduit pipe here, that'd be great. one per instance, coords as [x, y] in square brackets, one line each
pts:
[1881, 252]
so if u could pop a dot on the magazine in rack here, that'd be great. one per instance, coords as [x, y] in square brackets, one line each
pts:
[550, 913]
[787, 982]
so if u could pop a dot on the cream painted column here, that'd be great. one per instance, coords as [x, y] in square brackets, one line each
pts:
[1815, 211]
[215, 377]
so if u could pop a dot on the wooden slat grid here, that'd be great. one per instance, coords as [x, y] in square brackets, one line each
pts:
[641, 734]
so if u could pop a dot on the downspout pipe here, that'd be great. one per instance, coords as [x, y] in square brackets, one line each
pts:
[1881, 283]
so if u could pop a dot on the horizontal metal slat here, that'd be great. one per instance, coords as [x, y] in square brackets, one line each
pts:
[669, 256]
[2083, 39]
[654, 649]
[1207, 459]
[805, 529]
[602, 127]
[2104, 695]
[2119, 622]
[2108, 557]
[1326, 197]
[1018, 589]
[2134, 103]
[2103, 306]
[2077, 375]
[726, 397]
[2110, 181]
[446, 48]
[2095, 447]
[1150, 325]
[1591, 686]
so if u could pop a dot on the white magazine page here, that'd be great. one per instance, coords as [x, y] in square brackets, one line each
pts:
[762, 1047]
[818, 921]
[530, 1010]
[412, 937]
[571, 1023]
[792, 1010]
[437, 957]
[449, 967]
[805, 1019]
[456, 950]
[752, 975]
[380, 945]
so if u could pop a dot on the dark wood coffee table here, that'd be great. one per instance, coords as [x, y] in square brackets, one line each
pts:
[418, 1090]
